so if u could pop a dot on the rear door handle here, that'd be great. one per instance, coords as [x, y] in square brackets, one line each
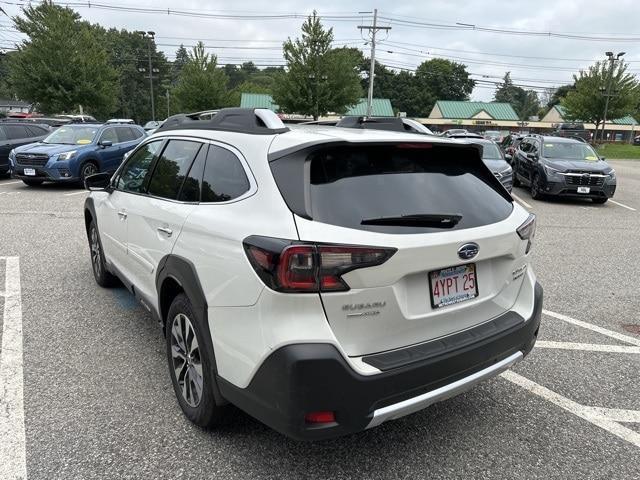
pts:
[122, 214]
[166, 230]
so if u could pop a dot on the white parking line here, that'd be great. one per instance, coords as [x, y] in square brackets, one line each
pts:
[76, 193]
[594, 328]
[525, 204]
[591, 415]
[10, 183]
[587, 347]
[617, 414]
[623, 205]
[12, 434]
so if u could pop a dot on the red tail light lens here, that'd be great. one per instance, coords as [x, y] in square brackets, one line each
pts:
[287, 266]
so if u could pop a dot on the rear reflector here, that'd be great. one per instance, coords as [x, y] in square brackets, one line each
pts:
[320, 417]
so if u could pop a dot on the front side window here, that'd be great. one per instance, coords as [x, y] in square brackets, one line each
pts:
[172, 168]
[224, 177]
[525, 146]
[73, 135]
[16, 131]
[124, 134]
[135, 173]
[109, 135]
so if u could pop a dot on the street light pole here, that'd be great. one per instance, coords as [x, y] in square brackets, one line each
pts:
[150, 36]
[608, 95]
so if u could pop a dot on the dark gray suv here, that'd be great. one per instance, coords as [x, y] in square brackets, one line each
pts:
[562, 167]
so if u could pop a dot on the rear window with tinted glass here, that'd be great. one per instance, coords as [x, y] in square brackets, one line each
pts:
[351, 186]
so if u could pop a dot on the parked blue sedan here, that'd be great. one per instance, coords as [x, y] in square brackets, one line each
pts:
[73, 152]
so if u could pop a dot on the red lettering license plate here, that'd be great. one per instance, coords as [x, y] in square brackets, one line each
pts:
[453, 285]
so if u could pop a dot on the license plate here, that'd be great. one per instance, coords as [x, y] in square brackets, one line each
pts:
[30, 171]
[584, 189]
[453, 285]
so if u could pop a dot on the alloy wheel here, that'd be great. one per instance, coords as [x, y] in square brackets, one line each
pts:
[187, 364]
[88, 169]
[96, 258]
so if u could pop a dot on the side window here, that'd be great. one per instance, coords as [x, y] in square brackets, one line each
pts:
[136, 133]
[172, 168]
[192, 184]
[109, 134]
[35, 131]
[525, 146]
[124, 134]
[534, 147]
[224, 177]
[16, 131]
[134, 175]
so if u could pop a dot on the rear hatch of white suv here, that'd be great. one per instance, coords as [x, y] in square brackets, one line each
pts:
[411, 241]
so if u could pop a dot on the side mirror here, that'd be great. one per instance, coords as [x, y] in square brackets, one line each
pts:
[98, 182]
[508, 157]
[106, 143]
[602, 158]
[532, 156]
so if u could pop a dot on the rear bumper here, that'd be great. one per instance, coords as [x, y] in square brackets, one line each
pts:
[302, 378]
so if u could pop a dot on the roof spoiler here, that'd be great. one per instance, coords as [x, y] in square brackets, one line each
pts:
[255, 121]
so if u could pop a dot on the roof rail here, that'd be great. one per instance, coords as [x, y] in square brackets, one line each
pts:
[382, 123]
[255, 121]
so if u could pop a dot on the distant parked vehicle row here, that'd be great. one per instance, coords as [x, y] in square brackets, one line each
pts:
[16, 134]
[73, 152]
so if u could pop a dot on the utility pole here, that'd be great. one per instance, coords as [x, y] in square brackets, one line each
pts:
[373, 30]
[150, 36]
[608, 95]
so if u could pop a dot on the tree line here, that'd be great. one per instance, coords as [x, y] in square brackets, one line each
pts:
[67, 62]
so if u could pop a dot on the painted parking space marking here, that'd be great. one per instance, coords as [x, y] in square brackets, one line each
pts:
[75, 193]
[10, 183]
[9, 193]
[12, 431]
[623, 205]
[521, 201]
[587, 347]
[590, 414]
[594, 328]
[609, 419]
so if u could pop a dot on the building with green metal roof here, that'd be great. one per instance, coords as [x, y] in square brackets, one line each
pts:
[458, 110]
[557, 114]
[380, 107]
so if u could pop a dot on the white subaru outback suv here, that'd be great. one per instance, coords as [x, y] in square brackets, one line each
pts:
[323, 280]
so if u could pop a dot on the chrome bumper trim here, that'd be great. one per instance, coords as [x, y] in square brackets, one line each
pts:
[412, 405]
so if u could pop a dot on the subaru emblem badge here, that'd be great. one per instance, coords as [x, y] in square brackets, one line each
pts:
[468, 251]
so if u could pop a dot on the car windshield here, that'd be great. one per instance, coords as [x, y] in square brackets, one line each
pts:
[492, 133]
[72, 135]
[490, 151]
[570, 151]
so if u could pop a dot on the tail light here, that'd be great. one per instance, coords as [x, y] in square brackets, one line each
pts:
[288, 266]
[527, 231]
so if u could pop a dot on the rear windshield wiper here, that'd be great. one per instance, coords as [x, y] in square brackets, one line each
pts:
[416, 220]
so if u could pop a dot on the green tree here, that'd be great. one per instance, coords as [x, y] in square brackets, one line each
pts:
[202, 85]
[440, 79]
[525, 102]
[6, 89]
[182, 58]
[319, 79]
[586, 102]
[62, 65]
[558, 95]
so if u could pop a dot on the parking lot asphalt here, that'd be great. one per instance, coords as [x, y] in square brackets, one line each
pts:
[98, 402]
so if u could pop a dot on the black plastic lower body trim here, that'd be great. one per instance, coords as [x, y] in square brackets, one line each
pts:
[303, 378]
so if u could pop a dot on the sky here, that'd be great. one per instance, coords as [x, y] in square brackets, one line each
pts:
[536, 50]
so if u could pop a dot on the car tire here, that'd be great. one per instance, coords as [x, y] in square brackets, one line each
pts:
[33, 183]
[191, 364]
[599, 200]
[100, 272]
[535, 187]
[88, 168]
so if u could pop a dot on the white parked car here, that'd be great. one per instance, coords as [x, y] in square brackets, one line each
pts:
[322, 279]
